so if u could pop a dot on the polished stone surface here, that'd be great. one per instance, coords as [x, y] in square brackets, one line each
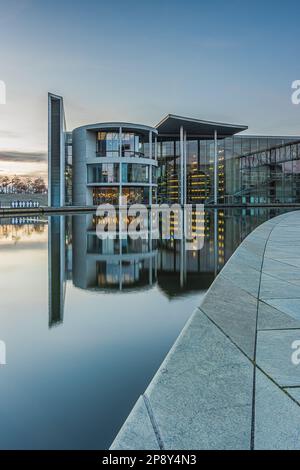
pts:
[232, 379]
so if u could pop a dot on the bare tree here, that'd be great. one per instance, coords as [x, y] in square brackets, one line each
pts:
[39, 185]
[29, 185]
[5, 181]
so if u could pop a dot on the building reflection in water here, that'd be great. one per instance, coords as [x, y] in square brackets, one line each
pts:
[56, 268]
[111, 264]
[123, 264]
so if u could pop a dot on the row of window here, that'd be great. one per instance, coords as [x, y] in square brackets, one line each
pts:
[131, 173]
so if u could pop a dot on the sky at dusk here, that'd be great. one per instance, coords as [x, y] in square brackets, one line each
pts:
[137, 61]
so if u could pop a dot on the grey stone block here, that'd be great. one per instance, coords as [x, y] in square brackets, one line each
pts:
[272, 318]
[277, 417]
[274, 288]
[242, 275]
[281, 270]
[234, 311]
[291, 307]
[137, 432]
[294, 392]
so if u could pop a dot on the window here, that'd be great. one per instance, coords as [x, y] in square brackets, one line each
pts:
[134, 145]
[136, 195]
[105, 195]
[135, 173]
[104, 173]
[108, 144]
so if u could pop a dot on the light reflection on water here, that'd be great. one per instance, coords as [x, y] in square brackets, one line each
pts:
[87, 323]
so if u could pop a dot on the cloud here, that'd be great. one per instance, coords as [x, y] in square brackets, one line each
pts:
[23, 157]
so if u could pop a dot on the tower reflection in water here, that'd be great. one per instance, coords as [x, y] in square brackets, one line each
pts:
[120, 265]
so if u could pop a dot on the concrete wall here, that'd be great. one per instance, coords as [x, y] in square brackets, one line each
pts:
[56, 151]
[79, 167]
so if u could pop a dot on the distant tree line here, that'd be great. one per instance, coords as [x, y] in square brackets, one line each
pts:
[22, 185]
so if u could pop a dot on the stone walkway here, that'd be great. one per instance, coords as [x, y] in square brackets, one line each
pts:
[232, 379]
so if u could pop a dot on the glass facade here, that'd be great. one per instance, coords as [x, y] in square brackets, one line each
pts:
[133, 144]
[250, 169]
[109, 194]
[135, 173]
[68, 168]
[103, 173]
[108, 144]
[271, 175]
[136, 195]
[107, 181]
[169, 171]
[102, 195]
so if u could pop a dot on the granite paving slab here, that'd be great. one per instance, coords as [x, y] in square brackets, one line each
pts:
[277, 417]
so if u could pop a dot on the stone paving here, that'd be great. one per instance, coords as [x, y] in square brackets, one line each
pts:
[232, 379]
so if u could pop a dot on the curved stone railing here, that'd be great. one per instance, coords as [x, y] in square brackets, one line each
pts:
[232, 379]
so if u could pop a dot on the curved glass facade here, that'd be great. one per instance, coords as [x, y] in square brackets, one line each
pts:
[108, 144]
[135, 173]
[136, 195]
[135, 145]
[103, 173]
[102, 195]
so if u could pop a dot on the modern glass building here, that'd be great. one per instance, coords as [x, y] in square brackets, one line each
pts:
[111, 160]
[180, 160]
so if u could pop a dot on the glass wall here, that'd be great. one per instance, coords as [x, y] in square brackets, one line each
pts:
[136, 195]
[168, 173]
[105, 195]
[135, 145]
[274, 176]
[108, 144]
[103, 173]
[135, 173]
[68, 168]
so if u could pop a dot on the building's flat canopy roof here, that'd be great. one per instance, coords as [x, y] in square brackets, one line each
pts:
[170, 126]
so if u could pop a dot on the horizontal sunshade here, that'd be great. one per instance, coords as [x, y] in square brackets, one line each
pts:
[171, 124]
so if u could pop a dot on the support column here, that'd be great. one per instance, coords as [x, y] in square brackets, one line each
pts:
[181, 165]
[216, 241]
[150, 144]
[120, 165]
[150, 168]
[216, 167]
[184, 168]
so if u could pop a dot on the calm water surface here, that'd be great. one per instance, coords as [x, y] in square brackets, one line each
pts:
[87, 324]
